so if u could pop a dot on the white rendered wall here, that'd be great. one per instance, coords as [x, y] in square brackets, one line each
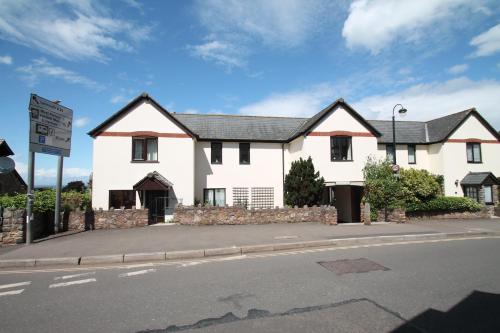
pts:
[264, 170]
[112, 156]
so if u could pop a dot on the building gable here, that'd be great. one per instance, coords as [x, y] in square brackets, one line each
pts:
[142, 116]
[474, 128]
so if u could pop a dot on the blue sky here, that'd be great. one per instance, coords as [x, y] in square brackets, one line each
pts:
[260, 57]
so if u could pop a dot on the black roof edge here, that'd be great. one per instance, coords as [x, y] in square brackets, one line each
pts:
[144, 96]
[484, 122]
[5, 146]
[326, 111]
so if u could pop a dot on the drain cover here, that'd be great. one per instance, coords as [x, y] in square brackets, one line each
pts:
[346, 266]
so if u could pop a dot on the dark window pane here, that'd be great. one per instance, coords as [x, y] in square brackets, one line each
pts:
[122, 198]
[138, 149]
[411, 154]
[244, 153]
[152, 149]
[389, 152]
[214, 196]
[341, 148]
[473, 152]
[216, 152]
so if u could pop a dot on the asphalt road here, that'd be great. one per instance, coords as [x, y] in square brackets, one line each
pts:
[426, 287]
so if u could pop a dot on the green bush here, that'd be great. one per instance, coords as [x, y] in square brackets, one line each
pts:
[446, 204]
[382, 188]
[45, 201]
[303, 185]
[418, 186]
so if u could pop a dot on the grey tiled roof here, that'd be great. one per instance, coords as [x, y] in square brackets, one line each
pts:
[440, 128]
[478, 178]
[231, 127]
[406, 131]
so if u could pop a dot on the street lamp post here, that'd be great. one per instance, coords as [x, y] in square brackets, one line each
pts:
[402, 111]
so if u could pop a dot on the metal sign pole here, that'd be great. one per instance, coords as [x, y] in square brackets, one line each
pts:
[29, 203]
[57, 213]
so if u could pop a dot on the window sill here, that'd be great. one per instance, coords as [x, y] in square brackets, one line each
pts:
[412, 163]
[474, 162]
[144, 161]
[216, 163]
[342, 160]
[244, 163]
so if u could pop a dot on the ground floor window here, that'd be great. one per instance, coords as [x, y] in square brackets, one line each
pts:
[488, 194]
[121, 198]
[471, 192]
[214, 196]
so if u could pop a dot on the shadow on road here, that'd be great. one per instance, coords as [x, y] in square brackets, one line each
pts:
[478, 312]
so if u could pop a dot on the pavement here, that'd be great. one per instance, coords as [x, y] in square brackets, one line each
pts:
[432, 286]
[164, 242]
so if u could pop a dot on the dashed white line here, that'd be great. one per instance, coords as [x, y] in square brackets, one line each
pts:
[13, 285]
[65, 277]
[144, 271]
[70, 283]
[12, 292]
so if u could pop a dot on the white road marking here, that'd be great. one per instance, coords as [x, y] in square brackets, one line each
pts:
[12, 285]
[144, 271]
[12, 292]
[70, 283]
[263, 255]
[65, 277]
[286, 237]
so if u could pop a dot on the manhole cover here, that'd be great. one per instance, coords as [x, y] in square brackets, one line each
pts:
[346, 266]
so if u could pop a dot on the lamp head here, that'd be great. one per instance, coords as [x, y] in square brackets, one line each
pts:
[402, 112]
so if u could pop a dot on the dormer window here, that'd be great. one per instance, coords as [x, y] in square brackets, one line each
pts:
[144, 149]
[341, 148]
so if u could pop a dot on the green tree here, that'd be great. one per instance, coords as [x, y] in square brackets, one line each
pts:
[418, 186]
[303, 185]
[77, 186]
[382, 187]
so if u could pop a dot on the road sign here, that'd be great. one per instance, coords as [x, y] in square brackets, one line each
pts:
[395, 168]
[50, 127]
[6, 165]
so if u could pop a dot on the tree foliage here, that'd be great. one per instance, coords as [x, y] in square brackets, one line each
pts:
[382, 188]
[446, 204]
[418, 186]
[303, 185]
[45, 201]
[77, 186]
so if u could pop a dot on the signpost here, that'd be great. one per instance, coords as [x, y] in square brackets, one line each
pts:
[50, 133]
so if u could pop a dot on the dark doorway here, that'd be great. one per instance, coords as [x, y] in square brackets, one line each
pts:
[157, 203]
[347, 201]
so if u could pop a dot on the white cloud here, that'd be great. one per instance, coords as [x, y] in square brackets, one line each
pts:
[234, 26]
[6, 60]
[191, 111]
[301, 103]
[487, 43]
[221, 52]
[40, 68]
[72, 30]
[67, 172]
[81, 122]
[375, 24]
[118, 99]
[458, 69]
[432, 100]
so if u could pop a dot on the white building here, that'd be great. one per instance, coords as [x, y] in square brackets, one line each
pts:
[144, 155]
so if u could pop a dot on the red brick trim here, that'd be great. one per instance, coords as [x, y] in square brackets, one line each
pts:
[145, 133]
[344, 133]
[472, 140]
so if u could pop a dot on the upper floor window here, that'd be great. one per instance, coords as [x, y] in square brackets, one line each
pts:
[145, 149]
[412, 154]
[216, 152]
[341, 148]
[244, 153]
[389, 152]
[474, 152]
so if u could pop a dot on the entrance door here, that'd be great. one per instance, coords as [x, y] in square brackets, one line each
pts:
[157, 203]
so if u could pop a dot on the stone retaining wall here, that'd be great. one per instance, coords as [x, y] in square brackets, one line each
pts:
[397, 215]
[107, 219]
[12, 229]
[239, 215]
[483, 214]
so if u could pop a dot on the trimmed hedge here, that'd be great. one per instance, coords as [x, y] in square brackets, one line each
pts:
[45, 201]
[446, 204]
